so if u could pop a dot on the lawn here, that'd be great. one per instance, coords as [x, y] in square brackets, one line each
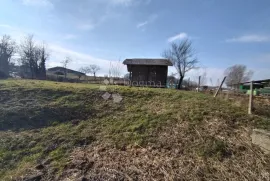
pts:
[60, 131]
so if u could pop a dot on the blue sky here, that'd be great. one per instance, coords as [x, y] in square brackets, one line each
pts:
[224, 32]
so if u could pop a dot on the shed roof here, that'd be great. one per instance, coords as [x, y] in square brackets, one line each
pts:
[257, 81]
[148, 61]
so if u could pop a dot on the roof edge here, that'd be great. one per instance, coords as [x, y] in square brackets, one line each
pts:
[147, 61]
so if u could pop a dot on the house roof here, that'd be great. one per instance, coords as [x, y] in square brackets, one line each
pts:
[148, 61]
[55, 69]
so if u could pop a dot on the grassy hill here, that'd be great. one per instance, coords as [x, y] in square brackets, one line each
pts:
[62, 131]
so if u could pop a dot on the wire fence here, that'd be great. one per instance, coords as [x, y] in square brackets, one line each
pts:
[260, 106]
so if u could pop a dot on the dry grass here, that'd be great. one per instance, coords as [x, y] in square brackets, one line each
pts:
[181, 152]
[153, 134]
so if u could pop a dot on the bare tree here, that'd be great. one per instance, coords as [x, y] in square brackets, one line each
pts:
[93, 69]
[27, 55]
[33, 58]
[7, 50]
[237, 74]
[182, 56]
[204, 78]
[85, 70]
[65, 63]
[211, 81]
[115, 69]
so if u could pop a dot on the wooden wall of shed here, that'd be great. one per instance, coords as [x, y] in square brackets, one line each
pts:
[144, 74]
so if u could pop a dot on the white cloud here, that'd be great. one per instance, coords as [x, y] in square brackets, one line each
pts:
[86, 26]
[129, 2]
[6, 26]
[213, 75]
[250, 38]
[261, 73]
[58, 53]
[179, 36]
[70, 37]
[38, 3]
[150, 19]
[139, 25]
[16, 33]
[122, 2]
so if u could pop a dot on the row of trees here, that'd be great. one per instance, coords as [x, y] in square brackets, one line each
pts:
[30, 56]
[114, 69]
[33, 58]
[91, 69]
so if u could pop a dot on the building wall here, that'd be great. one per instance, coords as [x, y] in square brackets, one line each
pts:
[142, 75]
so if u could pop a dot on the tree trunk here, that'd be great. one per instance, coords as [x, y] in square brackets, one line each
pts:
[32, 72]
[180, 82]
[65, 73]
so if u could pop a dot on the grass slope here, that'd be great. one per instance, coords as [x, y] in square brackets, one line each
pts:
[71, 132]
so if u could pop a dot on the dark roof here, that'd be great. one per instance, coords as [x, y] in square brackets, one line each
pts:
[57, 69]
[148, 61]
[257, 81]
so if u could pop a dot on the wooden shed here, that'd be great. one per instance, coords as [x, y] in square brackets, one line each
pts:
[148, 72]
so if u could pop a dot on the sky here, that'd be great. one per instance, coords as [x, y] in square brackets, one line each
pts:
[223, 32]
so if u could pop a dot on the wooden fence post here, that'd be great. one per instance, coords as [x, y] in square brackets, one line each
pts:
[250, 105]
[199, 84]
[220, 87]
